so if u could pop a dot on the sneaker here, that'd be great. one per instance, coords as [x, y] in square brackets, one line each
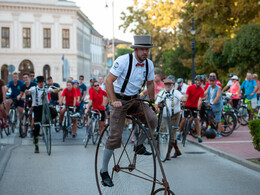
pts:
[199, 139]
[218, 135]
[179, 136]
[101, 144]
[36, 149]
[73, 136]
[140, 149]
[106, 180]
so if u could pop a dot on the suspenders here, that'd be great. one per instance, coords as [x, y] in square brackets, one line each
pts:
[129, 72]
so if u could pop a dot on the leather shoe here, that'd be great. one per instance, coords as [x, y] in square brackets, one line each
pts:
[140, 149]
[106, 180]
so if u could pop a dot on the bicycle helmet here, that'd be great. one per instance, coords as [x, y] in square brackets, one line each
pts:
[231, 75]
[75, 81]
[171, 77]
[179, 80]
[210, 133]
[198, 77]
[92, 79]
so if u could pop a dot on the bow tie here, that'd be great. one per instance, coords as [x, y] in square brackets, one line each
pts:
[139, 64]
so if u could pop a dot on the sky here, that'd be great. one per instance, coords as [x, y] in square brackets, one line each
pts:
[101, 16]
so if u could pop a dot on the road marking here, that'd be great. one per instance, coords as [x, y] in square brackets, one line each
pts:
[226, 142]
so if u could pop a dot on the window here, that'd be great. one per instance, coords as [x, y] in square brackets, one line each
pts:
[26, 38]
[5, 37]
[65, 38]
[47, 38]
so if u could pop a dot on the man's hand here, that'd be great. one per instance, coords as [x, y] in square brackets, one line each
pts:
[117, 104]
[251, 94]
[152, 100]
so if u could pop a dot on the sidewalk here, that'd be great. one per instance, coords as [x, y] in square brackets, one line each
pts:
[239, 144]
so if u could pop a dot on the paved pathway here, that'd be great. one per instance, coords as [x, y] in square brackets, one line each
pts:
[239, 143]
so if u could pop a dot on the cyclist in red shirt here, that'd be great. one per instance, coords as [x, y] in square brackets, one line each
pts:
[96, 101]
[70, 95]
[76, 87]
[194, 95]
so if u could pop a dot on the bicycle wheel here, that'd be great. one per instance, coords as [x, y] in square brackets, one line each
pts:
[95, 131]
[47, 133]
[23, 125]
[65, 131]
[11, 119]
[186, 130]
[89, 133]
[228, 121]
[193, 130]
[164, 136]
[243, 115]
[130, 173]
[1, 130]
[162, 191]
[204, 123]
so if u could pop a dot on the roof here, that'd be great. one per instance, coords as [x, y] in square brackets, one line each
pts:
[118, 41]
[95, 32]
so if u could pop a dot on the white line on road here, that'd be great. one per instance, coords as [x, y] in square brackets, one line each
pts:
[226, 142]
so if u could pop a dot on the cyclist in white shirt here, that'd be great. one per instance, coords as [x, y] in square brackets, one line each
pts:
[37, 92]
[229, 84]
[174, 102]
[182, 87]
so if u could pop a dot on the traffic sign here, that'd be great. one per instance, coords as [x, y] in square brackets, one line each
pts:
[11, 68]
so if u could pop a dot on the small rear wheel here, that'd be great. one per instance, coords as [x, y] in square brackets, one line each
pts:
[162, 191]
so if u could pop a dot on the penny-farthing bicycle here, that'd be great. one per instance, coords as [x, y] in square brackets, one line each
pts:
[130, 172]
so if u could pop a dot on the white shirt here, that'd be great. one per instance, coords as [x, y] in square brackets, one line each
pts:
[230, 82]
[137, 75]
[184, 88]
[39, 94]
[103, 87]
[175, 100]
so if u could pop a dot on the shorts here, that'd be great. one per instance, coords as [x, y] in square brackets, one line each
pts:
[103, 115]
[20, 103]
[194, 112]
[217, 116]
[54, 102]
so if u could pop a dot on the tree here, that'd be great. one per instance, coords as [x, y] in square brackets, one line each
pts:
[123, 49]
[246, 49]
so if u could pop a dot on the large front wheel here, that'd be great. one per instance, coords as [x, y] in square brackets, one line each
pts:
[47, 134]
[130, 172]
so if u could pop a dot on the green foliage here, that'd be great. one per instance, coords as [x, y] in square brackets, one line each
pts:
[246, 48]
[122, 51]
[254, 127]
[172, 64]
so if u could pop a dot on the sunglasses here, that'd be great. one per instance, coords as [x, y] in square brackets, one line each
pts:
[31, 75]
[96, 85]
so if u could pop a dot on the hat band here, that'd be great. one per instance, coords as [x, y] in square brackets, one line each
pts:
[144, 44]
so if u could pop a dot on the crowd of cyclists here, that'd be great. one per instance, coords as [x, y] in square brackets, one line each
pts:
[185, 100]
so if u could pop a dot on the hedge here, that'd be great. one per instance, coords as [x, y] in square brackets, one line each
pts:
[254, 127]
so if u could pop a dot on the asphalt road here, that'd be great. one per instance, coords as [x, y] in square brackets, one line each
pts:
[70, 170]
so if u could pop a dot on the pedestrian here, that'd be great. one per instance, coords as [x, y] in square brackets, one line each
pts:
[121, 89]
[235, 91]
[83, 92]
[250, 87]
[214, 100]
[255, 77]
[181, 86]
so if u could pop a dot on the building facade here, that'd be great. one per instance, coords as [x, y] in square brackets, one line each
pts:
[50, 37]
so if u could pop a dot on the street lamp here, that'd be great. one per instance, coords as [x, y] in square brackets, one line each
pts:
[193, 32]
[113, 31]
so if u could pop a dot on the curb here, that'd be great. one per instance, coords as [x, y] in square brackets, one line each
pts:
[227, 156]
[5, 155]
